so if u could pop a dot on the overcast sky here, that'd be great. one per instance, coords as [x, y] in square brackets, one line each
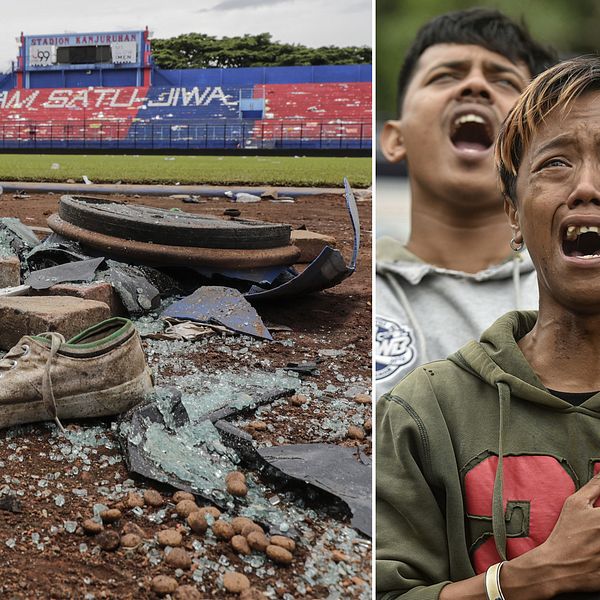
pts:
[308, 22]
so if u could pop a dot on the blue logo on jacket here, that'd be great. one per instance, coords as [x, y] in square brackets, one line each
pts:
[394, 347]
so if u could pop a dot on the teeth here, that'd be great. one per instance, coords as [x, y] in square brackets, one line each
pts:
[470, 118]
[573, 231]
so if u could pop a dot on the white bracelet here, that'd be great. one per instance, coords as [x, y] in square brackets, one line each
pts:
[492, 582]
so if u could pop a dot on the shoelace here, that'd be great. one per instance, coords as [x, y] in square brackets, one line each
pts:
[56, 341]
[10, 362]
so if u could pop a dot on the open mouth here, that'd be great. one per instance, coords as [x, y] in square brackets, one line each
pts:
[471, 132]
[581, 241]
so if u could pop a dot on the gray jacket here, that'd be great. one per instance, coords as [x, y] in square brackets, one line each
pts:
[425, 313]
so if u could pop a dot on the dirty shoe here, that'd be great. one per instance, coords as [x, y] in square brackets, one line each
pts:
[101, 371]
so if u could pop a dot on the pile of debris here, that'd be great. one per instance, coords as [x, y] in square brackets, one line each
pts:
[188, 283]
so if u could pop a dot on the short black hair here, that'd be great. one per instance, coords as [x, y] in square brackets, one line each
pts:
[484, 27]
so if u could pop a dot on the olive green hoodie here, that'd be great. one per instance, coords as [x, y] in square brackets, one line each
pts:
[440, 481]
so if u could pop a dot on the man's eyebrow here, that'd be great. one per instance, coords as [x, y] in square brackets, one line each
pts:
[488, 65]
[494, 67]
[450, 64]
[560, 141]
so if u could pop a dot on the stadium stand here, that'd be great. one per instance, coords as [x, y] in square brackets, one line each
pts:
[50, 106]
[334, 114]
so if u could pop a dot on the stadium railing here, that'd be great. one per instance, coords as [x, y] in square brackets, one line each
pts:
[87, 134]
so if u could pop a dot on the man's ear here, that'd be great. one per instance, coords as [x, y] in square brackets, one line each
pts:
[513, 216]
[392, 144]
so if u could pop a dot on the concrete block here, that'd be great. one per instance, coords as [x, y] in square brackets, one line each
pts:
[310, 243]
[10, 271]
[101, 291]
[30, 315]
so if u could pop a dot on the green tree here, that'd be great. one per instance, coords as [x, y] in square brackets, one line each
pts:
[198, 51]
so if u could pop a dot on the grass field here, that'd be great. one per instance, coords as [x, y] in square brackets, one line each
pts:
[259, 170]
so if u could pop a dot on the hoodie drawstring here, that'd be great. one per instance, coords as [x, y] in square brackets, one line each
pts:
[498, 520]
[401, 295]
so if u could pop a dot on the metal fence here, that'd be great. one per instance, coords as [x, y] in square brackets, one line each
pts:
[156, 134]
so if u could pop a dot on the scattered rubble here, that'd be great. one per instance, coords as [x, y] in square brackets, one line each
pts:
[246, 198]
[181, 495]
[335, 469]
[163, 585]
[83, 270]
[235, 582]
[221, 306]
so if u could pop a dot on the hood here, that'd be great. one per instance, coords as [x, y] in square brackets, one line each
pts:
[497, 359]
[394, 258]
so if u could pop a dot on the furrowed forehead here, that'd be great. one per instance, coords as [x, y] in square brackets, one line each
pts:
[462, 56]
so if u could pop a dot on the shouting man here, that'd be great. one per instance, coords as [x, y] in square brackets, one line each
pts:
[461, 76]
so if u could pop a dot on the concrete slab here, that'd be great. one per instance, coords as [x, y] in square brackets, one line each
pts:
[100, 291]
[10, 271]
[31, 315]
[311, 243]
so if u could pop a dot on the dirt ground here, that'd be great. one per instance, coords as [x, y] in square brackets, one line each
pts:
[44, 551]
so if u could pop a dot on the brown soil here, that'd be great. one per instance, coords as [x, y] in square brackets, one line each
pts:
[55, 565]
